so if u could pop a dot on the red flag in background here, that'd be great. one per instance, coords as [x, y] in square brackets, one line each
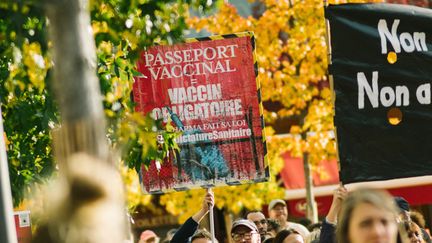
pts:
[293, 177]
[293, 173]
[326, 179]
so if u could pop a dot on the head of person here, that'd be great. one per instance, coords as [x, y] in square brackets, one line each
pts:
[404, 208]
[413, 231]
[417, 218]
[260, 221]
[367, 215]
[148, 236]
[277, 209]
[244, 230]
[201, 236]
[273, 227]
[288, 236]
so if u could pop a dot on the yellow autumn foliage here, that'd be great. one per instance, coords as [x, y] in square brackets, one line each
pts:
[292, 59]
[30, 61]
[134, 195]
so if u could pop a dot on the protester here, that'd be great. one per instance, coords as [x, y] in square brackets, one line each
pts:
[328, 228]
[418, 218]
[367, 215]
[288, 236]
[191, 225]
[244, 230]
[404, 215]
[202, 236]
[414, 232]
[278, 210]
[260, 221]
[148, 236]
[273, 227]
[404, 208]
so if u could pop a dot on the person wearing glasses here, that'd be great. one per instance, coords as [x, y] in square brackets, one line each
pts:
[260, 221]
[244, 230]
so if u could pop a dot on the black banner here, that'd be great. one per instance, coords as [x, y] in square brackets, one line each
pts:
[382, 70]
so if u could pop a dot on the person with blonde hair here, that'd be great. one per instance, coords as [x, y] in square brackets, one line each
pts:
[367, 215]
[202, 236]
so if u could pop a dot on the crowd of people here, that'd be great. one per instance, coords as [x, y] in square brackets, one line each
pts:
[361, 216]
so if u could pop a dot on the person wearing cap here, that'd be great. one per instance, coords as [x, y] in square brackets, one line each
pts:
[277, 210]
[404, 208]
[148, 236]
[404, 215]
[260, 221]
[244, 230]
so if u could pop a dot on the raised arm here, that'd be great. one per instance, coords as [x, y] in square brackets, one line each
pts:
[338, 197]
[208, 202]
[191, 225]
[328, 229]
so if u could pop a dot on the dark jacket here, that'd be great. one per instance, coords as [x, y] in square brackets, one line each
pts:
[328, 232]
[185, 231]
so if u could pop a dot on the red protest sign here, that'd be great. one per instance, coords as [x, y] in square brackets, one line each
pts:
[208, 89]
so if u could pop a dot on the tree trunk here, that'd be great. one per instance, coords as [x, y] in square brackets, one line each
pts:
[311, 206]
[89, 205]
[76, 85]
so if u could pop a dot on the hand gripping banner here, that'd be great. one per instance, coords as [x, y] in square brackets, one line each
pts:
[381, 66]
[208, 89]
